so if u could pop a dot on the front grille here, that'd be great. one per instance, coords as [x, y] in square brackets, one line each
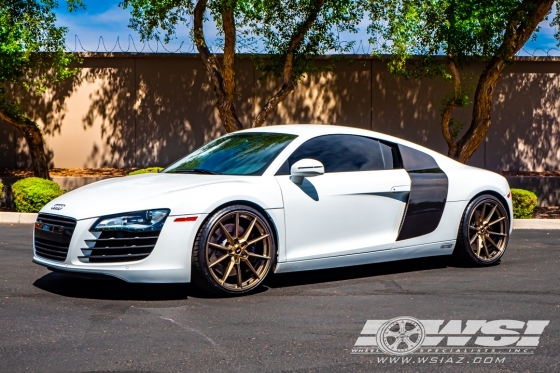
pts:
[119, 246]
[52, 236]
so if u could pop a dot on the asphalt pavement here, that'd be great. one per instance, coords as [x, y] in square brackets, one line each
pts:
[299, 322]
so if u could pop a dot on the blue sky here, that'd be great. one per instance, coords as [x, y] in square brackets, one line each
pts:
[106, 19]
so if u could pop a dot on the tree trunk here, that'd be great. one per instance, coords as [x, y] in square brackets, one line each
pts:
[482, 107]
[450, 107]
[34, 138]
[222, 80]
[519, 29]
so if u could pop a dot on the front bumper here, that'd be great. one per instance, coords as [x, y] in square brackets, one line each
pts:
[169, 262]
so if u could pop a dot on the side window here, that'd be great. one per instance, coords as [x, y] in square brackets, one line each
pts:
[343, 153]
[391, 156]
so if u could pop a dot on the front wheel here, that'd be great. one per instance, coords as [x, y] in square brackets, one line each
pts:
[234, 251]
[484, 232]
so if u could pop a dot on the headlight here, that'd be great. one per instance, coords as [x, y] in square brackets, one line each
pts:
[151, 220]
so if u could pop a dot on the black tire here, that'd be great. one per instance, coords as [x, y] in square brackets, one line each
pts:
[491, 238]
[216, 257]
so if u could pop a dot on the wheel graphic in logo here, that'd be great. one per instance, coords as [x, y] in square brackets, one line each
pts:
[400, 336]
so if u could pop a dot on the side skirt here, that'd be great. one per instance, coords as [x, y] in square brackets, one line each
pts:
[418, 251]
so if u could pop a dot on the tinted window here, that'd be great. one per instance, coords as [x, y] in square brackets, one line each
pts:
[415, 160]
[340, 153]
[391, 155]
[238, 154]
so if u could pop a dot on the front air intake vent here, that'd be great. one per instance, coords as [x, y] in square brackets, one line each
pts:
[52, 236]
[119, 246]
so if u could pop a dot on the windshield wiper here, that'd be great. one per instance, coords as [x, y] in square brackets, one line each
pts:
[195, 171]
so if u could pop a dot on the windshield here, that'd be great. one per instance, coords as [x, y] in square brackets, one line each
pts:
[237, 154]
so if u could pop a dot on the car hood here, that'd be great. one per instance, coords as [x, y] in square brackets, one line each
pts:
[135, 193]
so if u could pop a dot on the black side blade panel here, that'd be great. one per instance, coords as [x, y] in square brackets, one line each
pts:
[428, 194]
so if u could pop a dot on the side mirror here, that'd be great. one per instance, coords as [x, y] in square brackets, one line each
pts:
[306, 168]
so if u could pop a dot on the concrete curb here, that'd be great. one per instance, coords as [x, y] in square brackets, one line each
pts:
[26, 218]
[17, 218]
[536, 224]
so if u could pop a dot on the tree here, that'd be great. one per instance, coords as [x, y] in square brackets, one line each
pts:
[417, 33]
[291, 32]
[32, 54]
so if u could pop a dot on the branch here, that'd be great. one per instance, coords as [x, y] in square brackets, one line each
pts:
[519, 29]
[287, 73]
[297, 38]
[451, 105]
[33, 136]
[12, 114]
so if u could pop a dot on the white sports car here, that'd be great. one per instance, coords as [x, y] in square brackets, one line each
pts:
[282, 198]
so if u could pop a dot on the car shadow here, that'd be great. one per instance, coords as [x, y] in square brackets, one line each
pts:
[109, 288]
[281, 280]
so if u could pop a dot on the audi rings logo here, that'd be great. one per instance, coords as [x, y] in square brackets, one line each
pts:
[58, 206]
[401, 336]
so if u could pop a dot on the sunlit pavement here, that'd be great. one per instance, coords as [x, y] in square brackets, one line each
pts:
[304, 322]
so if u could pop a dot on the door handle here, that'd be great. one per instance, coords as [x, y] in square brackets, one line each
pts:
[400, 188]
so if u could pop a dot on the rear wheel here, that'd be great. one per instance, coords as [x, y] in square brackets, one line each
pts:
[234, 251]
[484, 232]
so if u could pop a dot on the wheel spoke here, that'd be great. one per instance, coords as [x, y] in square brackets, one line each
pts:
[483, 212]
[390, 333]
[473, 238]
[239, 279]
[497, 220]
[248, 263]
[220, 259]
[493, 243]
[228, 270]
[497, 234]
[408, 342]
[473, 228]
[257, 239]
[228, 235]
[402, 326]
[486, 249]
[216, 246]
[397, 342]
[236, 233]
[258, 255]
[479, 246]
[249, 229]
[487, 218]
[416, 330]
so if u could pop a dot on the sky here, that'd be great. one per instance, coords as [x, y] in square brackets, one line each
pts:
[104, 19]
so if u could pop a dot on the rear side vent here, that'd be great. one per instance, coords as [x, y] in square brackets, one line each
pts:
[119, 246]
[52, 236]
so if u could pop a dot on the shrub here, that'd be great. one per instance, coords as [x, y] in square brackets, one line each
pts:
[524, 202]
[148, 170]
[31, 194]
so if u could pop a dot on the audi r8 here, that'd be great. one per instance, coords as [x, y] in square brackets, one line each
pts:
[278, 199]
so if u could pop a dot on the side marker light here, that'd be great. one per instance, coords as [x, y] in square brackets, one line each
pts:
[186, 218]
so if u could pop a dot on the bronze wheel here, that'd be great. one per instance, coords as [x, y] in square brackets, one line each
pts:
[236, 250]
[484, 234]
